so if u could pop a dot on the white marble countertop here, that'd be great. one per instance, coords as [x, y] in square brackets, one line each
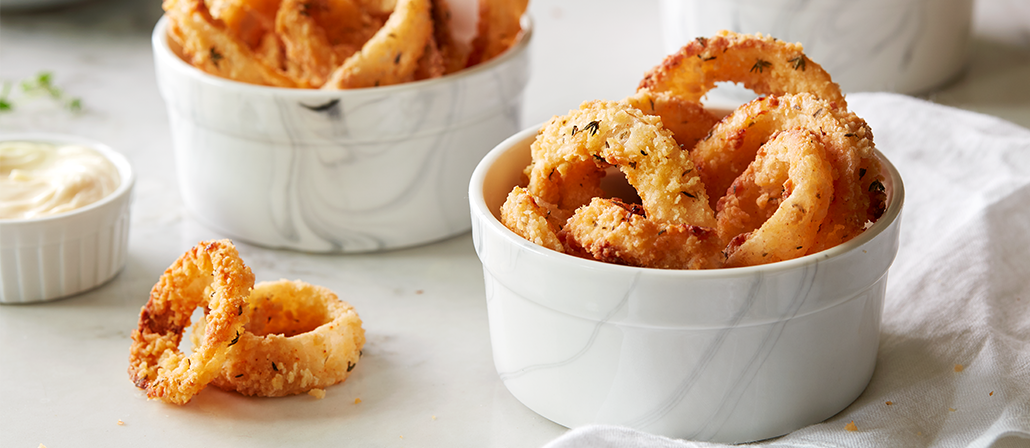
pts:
[427, 377]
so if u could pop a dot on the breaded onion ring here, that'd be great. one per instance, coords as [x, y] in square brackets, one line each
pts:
[300, 337]
[571, 153]
[774, 209]
[763, 64]
[521, 213]
[309, 55]
[847, 139]
[615, 232]
[689, 121]
[498, 27]
[391, 56]
[206, 44]
[155, 362]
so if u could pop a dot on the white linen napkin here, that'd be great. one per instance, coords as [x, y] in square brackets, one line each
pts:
[953, 368]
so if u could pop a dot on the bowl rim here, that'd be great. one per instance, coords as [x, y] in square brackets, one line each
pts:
[896, 198]
[121, 163]
[159, 42]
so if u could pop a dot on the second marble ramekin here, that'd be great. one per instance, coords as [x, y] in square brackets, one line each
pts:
[337, 171]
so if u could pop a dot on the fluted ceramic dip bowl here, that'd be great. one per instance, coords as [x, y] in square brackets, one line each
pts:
[337, 171]
[729, 355]
[56, 256]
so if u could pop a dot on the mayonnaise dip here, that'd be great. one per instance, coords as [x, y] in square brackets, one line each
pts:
[43, 179]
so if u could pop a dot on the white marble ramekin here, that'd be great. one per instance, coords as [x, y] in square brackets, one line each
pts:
[337, 171]
[58, 256]
[728, 355]
[907, 46]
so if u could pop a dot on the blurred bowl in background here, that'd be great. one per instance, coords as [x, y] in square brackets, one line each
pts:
[57, 256]
[727, 355]
[905, 46]
[355, 170]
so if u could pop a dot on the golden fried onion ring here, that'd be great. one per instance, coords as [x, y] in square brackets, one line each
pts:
[763, 64]
[391, 56]
[571, 153]
[300, 337]
[208, 45]
[775, 208]
[570, 156]
[612, 231]
[847, 139]
[498, 27]
[155, 362]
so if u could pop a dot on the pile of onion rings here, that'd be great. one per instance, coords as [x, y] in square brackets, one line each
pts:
[335, 44]
[275, 339]
[789, 174]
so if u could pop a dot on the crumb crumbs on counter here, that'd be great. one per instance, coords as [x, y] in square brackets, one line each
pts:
[888, 403]
[434, 417]
[419, 291]
[357, 400]
[991, 394]
[952, 409]
[121, 423]
[959, 367]
[317, 393]
[851, 426]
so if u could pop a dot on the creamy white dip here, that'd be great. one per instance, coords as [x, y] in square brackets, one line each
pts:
[43, 179]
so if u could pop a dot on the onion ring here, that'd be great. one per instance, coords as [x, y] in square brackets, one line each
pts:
[206, 44]
[857, 182]
[300, 337]
[763, 64]
[521, 213]
[615, 232]
[155, 362]
[775, 208]
[391, 56]
[498, 27]
[688, 120]
[571, 153]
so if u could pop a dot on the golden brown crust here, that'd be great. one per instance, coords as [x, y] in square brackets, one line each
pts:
[779, 202]
[616, 232]
[155, 362]
[763, 64]
[301, 337]
[207, 45]
[735, 140]
[689, 121]
[391, 56]
[498, 28]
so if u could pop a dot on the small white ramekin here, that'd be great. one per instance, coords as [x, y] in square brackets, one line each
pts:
[58, 256]
[727, 355]
[355, 170]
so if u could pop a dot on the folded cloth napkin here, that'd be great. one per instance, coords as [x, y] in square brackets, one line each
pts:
[953, 368]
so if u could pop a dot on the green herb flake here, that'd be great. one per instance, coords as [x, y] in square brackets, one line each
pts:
[760, 66]
[798, 63]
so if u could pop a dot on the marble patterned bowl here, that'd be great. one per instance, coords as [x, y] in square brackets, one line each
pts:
[729, 355]
[336, 171]
[914, 46]
[57, 256]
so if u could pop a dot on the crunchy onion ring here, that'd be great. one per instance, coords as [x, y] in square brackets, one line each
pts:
[847, 139]
[612, 231]
[763, 64]
[571, 153]
[391, 56]
[776, 206]
[688, 120]
[300, 337]
[206, 44]
[155, 362]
